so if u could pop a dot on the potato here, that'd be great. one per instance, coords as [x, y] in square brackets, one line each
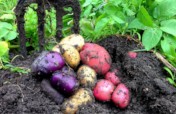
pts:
[75, 40]
[80, 98]
[121, 96]
[70, 54]
[96, 57]
[103, 90]
[56, 49]
[86, 76]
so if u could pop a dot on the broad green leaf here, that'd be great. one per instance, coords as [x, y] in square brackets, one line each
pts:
[3, 32]
[6, 25]
[137, 25]
[7, 16]
[151, 37]
[144, 17]
[88, 11]
[87, 2]
[169, 26]
[165, 8]
[117, 19]
[168, 45]
[3, 48]
[11, 35]
[101, 24]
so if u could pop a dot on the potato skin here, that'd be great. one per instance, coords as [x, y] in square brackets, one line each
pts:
[103, 90]
[121, 96]
[70, 54]
[96, 57]
[75, 40]
[81, 97]
[86, 76]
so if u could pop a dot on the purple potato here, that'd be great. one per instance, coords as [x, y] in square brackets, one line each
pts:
[47, 62]
[65, 83]
[68, 71]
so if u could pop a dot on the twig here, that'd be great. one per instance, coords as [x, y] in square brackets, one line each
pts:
[165, 62]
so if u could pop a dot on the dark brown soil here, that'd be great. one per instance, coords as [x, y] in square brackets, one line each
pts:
[144, 76]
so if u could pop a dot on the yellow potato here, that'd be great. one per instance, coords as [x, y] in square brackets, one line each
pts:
[56, 48]
[70, 54]
[86, 76]
[81, 97]
[75, 40]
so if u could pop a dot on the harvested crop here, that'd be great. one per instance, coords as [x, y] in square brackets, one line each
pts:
[66, 83]
[75, 40]
[82, 97]
[103, 90]
[86, 76]
[132, 55]
[47, 62]
[51, 92]
[70, 54]
[111, 76]
[121, 96]
[96, 57]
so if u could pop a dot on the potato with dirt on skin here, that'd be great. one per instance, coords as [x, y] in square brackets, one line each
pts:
[76, 40]
[81, 97]
[70, 54]
[97, 57]
[86, 76]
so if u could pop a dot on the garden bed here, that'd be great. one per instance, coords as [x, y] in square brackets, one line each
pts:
[144, 76]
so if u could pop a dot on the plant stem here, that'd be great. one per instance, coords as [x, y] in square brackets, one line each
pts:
[165, 62]
[13, 46]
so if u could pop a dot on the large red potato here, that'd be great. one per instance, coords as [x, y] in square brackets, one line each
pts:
[121, 96]
[96, 57]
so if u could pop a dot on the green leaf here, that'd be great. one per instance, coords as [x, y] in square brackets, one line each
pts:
[3, 48]
[144, 17]
[169, 26]
[6, 25]
[11, 35]
[87, 2]
[7, 17]
[101, 24]
[3, 32]
[171, 81]
[164, 8]
[137, 25]
[151, 37]
[169, 71]
[88, 11]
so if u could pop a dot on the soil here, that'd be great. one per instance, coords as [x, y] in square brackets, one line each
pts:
[144, 76]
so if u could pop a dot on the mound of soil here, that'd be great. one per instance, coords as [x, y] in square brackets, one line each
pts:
[144, 76]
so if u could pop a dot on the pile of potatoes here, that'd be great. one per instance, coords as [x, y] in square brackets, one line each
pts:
[81, 64]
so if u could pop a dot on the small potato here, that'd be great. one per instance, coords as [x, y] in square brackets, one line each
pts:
[80, 98]
[86, 76]
[75, 40]
[70, 54]
[121, 96]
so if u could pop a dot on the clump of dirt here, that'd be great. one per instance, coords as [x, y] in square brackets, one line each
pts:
[144, 76]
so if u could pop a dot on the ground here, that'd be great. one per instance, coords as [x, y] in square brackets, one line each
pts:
[144, 76]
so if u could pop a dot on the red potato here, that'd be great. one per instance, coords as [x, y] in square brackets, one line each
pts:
[103, 90]
[111, 76]
[96, 57]
[121, 96]
[132, 55]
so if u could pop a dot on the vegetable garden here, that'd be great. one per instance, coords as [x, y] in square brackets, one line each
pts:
[122, 61]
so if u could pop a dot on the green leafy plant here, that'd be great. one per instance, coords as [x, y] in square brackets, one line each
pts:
[172, 78]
